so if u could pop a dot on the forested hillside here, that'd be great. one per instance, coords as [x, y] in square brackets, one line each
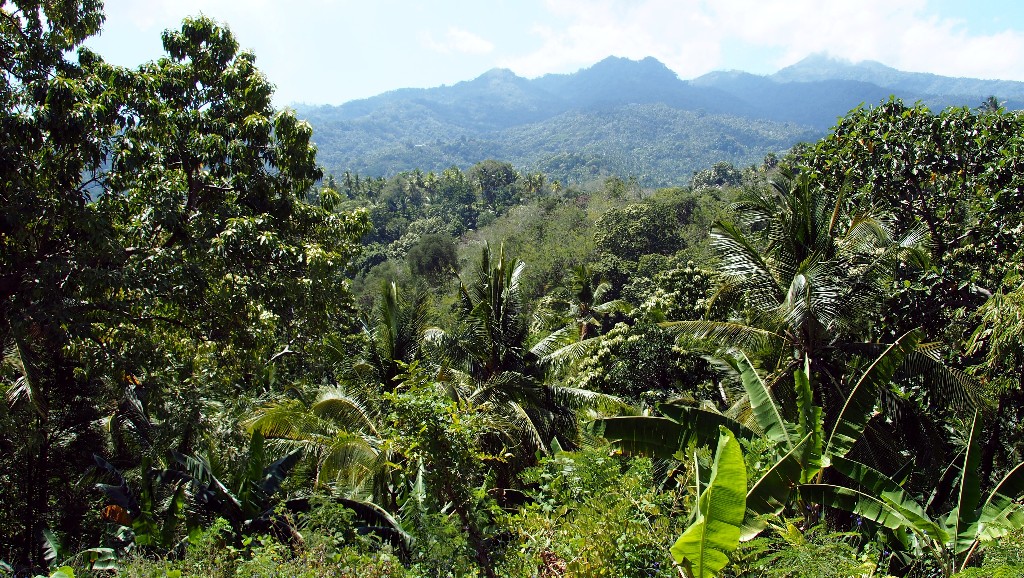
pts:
[221, 360]
[619, 117]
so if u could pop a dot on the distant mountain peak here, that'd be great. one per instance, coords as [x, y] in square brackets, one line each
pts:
[823, 66]
[621, 116]
[649, 66]
[499, 74]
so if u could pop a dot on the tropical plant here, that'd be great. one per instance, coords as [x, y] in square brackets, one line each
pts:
[487, 349]
[901, 158]
[338, 433]
[165, 234]
[192, 478]
[996, 345]
[705, 546]
[811, 266]
[574, 317]
[392, 336]
[801, 449]
[789, 552]
[952, 539]
[593, 512]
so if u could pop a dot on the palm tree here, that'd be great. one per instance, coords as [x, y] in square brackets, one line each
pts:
[573, 318]
[812, 267]
[486, 348]
[337, 433]
[392, 336]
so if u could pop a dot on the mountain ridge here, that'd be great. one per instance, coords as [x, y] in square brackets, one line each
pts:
[530, 122]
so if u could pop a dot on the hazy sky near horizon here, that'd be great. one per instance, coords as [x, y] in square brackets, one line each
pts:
[334, 51]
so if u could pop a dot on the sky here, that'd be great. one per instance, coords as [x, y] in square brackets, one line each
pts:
[335, 51]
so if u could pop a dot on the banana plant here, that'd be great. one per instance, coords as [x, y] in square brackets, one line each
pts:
[804, 447]
[142, 517]
[704, 547]
[57, 557]
[254, 489]
[953, 538]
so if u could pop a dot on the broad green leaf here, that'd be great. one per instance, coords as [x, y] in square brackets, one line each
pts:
[705, 546]
[810, 425]
[859, 405]
[892, 493]
[855, 502]
[1001, 514]
[703, 424]
[969, 495]
[63, 572]
[100, 558]
[52, 548]
[766, 412]
[663, 437]
[770, 493]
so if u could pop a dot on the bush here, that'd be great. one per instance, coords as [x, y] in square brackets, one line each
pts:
[595, 514]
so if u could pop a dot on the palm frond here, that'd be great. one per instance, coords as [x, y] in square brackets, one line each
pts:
[553, 341]
[288, 419]
[27, 385]
[727, 334]
[347, 459]
[345, 409]
[944, 385]
[578, 399]
[568, 354]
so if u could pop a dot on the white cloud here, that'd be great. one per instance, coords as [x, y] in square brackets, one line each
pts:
[694, 36]
[459, 41]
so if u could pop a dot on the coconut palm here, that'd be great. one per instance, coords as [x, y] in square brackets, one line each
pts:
[573, 317]
[812, 267]
[392, 335]
[485, 349]
[337, 432]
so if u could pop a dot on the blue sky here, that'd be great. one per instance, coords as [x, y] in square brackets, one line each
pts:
[333, 51]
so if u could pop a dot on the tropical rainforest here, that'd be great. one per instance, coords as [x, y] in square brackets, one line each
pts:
[219, 360]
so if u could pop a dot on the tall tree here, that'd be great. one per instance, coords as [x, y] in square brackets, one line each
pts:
[162, 247]
[51, 138]
[956, 172]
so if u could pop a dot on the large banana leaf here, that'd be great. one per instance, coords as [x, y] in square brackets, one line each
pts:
[770, 493]
[857, 502]
[965, 516]
[705, 546]
[810, 425]
[859, 405]
[892, 493]
[663, 437]
[766, 412]
[1001, 513]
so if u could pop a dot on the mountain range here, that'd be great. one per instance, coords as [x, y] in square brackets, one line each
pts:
[624, 117]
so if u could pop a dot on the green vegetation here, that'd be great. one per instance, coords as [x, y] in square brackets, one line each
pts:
[219, 362]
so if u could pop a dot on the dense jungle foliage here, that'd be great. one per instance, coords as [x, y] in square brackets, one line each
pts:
[218, 361]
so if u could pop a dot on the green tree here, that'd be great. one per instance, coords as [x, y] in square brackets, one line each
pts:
[434, 257]
[636, 230]
[164, 251]
[454, 200]
[486, 343]
[721, 174]
[957, 173]
[579, 309]
[497, 182]
[51, 137]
